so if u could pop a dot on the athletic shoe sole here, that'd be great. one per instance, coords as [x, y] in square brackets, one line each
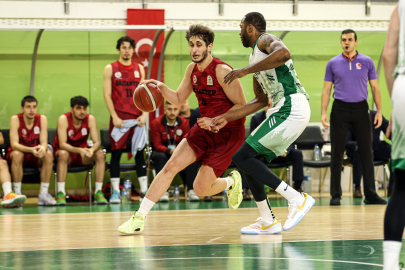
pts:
[307, 206]
[16, 202]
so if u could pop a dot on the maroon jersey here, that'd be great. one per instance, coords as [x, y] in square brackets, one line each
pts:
[212, 99]
[28, 137]
[124, 81]
[75, 137]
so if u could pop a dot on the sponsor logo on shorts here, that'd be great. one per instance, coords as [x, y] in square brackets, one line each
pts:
[118, 75]
[84, 131]
[136, 73]
[209, 80]
[358, 66]
[36, 130]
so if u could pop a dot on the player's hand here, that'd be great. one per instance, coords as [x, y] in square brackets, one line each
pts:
[158, 84]
[34, 151]
[118, 122]
[378, 120]
[217, 123]
[284, 155]
[235, 74]
[325, 120]
[204, 123]
[142, 119]
[41, 151]
[389, 128]
[83, 152]
[89, 152]
[171, 151]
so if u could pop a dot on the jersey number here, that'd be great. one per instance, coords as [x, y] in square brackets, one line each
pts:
[129, 92]
[204, 102]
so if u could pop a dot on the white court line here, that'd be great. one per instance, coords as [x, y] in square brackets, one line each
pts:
[262, 258]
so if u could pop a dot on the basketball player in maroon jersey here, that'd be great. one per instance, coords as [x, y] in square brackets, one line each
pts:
[29, 146]
[204, 77]
[70, 147]
[120, 81]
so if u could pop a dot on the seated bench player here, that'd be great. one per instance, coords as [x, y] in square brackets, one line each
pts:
[71, 149]
[29, 147]
[10, 199]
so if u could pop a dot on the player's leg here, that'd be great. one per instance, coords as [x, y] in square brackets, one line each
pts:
[63, 160]
[10, 199]
[183, 156]
[357, 173]
[190, 174]
[115, 175]
[46, 164]
[140, 167]
[266, 223]
[99, 168]
[16, 158]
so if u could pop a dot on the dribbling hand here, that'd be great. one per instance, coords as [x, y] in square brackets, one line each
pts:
[217, 123]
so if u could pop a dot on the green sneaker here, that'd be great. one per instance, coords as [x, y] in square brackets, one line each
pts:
[60, 198]
[134, 224]
[235, 196]
[99, 198]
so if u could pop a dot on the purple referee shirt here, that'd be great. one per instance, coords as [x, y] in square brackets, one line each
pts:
[350, 78]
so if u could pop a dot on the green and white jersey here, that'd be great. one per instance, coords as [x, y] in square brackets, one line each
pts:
[400, 69]
[277, 82]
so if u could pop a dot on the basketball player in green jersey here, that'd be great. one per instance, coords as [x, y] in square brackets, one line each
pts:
[274, 77]
[394, 69]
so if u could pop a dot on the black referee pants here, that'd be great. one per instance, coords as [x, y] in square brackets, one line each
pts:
[344, 115]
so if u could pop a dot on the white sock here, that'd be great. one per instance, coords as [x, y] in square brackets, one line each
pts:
[287, 192]
[265, 210]
[99, 186]
[61, 187]
[391, 254]
[17, 188]
[143, 183]
[145, 207]
[229, 182]
[44, 187]
[115, 182]
[7, 188]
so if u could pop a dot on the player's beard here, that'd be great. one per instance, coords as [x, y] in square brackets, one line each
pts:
[245, 40]
[204, 55]
[79, 119]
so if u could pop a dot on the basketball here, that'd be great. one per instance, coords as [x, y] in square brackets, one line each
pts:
[147, 98]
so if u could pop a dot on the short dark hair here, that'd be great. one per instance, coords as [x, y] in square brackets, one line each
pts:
[28, 99]
[348, 31]
[167, 102]
[201, 31]
[257, 20]
[79, 100]
[125, 39]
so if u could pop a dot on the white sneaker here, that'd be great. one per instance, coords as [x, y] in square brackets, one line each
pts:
[46, 199]
[165, 197]
[191, 196]
[297, 209]
[263, 227]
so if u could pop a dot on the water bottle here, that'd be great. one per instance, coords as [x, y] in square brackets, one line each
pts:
[224, 195]
[307, 181]
[126, 193]
[317, 153]
[176, 194]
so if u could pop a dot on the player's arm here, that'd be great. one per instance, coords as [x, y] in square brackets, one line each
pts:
[142, 118]
[277, 52]
[14, 138]
[327, 87]
[390, 53]
[94, 136]
[62, 136]
[375, 89]
[259, 102]
[107, 90]
[43, 137]
[180, 96]
[1, 138]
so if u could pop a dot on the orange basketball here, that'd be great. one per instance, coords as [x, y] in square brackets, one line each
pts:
[147, 98]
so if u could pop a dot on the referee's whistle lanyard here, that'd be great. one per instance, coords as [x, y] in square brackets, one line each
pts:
[168, 135]
[350, 59]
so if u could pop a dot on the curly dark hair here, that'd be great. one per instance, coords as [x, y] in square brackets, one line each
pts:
[257, 20]
[125, 39]
[202, 32]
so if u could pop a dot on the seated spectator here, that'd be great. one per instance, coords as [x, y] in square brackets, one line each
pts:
[191, 115]
[381, 151]
[71, 149]
[291, 154]
[29, 147]
[166, 133]
[10, 199]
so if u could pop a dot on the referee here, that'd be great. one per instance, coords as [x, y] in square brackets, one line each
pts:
[349, 72]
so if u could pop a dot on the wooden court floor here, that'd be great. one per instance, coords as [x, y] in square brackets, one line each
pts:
[190, 236]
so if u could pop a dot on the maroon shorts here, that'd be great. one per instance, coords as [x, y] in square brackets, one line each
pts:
[29, 160]
[75, 159]
[122, 143]
[215, 149]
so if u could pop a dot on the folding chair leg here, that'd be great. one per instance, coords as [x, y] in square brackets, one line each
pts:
[90, 195]
[385, 180]
[56, 183]
[323, 179]
[290, 176]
